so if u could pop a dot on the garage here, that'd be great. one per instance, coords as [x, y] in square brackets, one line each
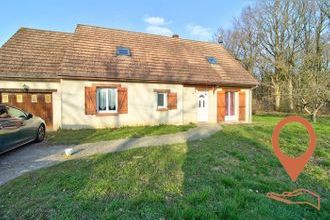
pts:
[37, 102]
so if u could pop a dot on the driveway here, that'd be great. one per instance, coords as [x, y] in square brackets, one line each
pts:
[35, 156]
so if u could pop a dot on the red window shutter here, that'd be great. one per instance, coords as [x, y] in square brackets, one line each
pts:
[221, 108]
[122, 100]
[242, 102]
[90, 100]
[171, 100]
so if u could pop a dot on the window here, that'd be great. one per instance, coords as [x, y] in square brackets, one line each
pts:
[4, 112]
[212, 60]
[161, 100]
[230, 103]
[4, 98]
[123, 51]
[16, 113]
[34, 98]
[48, 98]
[107, 100]
[201, 101]
[19, 98]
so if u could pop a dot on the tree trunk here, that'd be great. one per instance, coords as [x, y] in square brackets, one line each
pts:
[277, 97]
[290, 91]
[313, 116]
[315, 111]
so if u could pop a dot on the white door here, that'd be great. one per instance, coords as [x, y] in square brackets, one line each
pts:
[202, 112]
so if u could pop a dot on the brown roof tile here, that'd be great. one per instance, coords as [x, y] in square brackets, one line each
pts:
[91, 53]
[32, 53]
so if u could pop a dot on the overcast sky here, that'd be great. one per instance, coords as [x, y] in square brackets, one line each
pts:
[192, 19]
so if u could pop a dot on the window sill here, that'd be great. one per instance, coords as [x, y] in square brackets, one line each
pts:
[107, 114]
[162, 109]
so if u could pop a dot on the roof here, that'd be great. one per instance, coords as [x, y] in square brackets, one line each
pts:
[90, 52]
[32, 53]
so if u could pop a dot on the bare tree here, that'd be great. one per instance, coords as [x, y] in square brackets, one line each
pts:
[283, 44]
[313, 89]
[280, 24]
[242, 41]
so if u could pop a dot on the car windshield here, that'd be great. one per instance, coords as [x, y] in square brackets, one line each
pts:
[16, 113]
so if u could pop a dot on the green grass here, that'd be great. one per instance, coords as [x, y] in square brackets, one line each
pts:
[225, 176]
[294, 139]
[63, 136]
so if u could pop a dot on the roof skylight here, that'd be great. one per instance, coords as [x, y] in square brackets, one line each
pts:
[123, 51]
[212, 60]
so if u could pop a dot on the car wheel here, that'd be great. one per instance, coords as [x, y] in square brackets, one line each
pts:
[41, 133]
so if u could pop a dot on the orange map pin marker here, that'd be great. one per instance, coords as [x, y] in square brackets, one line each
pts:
[293, 165]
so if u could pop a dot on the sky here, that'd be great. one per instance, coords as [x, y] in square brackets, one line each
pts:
[197, 20]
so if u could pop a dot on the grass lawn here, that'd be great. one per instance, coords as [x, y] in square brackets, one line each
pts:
[64, 136]
[223, 177]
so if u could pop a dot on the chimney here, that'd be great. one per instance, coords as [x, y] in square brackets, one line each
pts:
[220, 40]
[175, 36]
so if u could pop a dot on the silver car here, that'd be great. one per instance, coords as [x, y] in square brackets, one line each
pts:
[18, 127]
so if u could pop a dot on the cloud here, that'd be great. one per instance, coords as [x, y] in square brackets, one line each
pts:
[199, 32]
[155, 21]
[159, 30]
[157, 25]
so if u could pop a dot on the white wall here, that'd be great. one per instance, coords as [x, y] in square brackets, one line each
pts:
[190, 101]
[248, 105]
[213, 105]
[189, 105]
[69, 104]
[141, 106]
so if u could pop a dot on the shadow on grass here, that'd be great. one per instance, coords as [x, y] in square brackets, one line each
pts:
[224, 176]
[230, 179]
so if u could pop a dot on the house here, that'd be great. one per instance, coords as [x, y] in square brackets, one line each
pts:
[98, 77]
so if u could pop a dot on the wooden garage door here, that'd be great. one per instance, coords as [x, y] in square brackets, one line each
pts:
[39, 104]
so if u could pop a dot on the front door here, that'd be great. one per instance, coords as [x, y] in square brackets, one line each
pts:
[202, 112]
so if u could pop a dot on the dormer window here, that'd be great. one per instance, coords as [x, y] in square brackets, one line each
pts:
[212, 60]
[123, 51]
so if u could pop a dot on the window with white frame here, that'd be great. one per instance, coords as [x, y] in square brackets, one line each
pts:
[161, 100]
[123, 51]
[107, 100]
